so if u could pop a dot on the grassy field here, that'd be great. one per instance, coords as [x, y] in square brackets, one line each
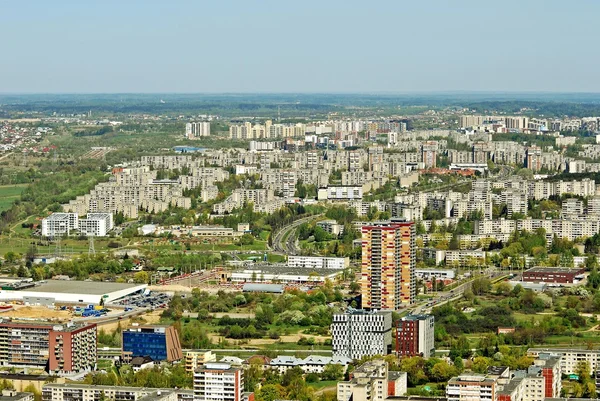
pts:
[68, 246]
[9, 194]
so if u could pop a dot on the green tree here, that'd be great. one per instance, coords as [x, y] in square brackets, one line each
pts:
[333, 372]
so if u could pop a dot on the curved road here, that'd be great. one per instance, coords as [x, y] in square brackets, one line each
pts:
[289, 246]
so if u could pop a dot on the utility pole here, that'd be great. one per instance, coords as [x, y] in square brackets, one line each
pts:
[91, 248]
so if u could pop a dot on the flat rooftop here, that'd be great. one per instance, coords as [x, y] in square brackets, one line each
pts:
[81, 287]
[554, 270]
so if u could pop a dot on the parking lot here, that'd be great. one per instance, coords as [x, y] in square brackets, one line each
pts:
[151, 300]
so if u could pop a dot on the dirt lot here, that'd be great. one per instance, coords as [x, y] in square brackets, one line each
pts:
[149, 318]
[37, 312]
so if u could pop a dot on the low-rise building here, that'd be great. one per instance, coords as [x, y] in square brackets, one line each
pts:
[561, 275]
[318, 262]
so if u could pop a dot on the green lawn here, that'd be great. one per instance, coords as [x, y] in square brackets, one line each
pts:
[9, 194]
[323, 384]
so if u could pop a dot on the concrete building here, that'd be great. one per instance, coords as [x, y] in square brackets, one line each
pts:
[161, 343]
[439, 274]
[331, 226]
[415, 336]
[372, 381]
[318, 262]
[96, 224]
[472, 387]
[569, 358]
[89, 392]
[59, 224]
[388, 265]
[216, 381]
[429, 152]
[197, 130]
[62, 349]
[358, 333]
[195, 359]
[12, 395]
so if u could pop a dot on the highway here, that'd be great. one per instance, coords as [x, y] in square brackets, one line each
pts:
[289, 246]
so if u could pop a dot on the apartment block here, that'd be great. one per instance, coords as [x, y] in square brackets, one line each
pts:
[372, 381]
[59, 348]
[96, 224]
[388, 265]
[471, 387]
[59, 224]
[415, 336]
[358, 333]
[216, 381]
[89, 392]
[569, 358]
[197, 130]
[195, 359]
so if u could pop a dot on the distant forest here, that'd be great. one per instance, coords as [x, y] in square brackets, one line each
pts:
[307, 105]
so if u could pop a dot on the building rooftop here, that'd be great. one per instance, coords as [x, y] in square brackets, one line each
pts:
[553, 270]
[253, 287]
[82, 287]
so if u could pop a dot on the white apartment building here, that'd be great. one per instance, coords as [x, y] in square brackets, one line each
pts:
[359, 333]
[372, 381]
[471, 387]
[340, 193]
[197, 130]
[215, 381]
[569, 358]
[572, 207]
[96, 224]
[59, 224]
[87, 392]
[331, 226]
[317, 262]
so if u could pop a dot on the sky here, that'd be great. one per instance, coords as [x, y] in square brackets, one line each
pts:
[302, 46]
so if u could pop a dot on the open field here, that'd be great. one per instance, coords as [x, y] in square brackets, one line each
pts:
[37, 312]
[9, 194]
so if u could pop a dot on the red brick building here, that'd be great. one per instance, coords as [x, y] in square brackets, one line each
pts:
[559, 275]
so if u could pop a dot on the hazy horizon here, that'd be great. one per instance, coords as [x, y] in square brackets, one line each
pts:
[310, 47]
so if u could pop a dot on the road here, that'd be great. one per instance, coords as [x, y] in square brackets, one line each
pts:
[289, 246]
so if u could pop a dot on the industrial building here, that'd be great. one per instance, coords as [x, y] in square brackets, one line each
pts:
[59, 349]
[560, 275]
[318, 262]
[283, 274]
[69, 291]
[161, 343]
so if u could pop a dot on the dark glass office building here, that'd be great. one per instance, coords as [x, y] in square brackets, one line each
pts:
[161, 343]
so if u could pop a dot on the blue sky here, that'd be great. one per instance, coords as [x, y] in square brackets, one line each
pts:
[299, 46]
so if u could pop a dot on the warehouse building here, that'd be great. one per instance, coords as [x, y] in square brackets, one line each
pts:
[560, 275]
[69, 291]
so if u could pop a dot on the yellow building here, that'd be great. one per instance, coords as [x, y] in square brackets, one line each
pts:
[195, 359]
